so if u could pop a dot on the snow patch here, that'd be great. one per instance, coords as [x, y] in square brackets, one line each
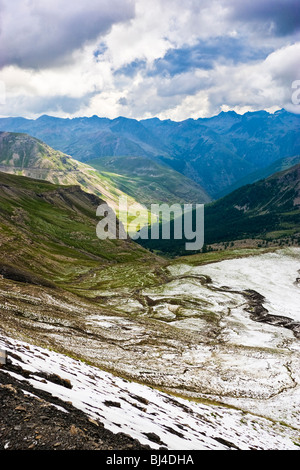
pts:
[180, 424]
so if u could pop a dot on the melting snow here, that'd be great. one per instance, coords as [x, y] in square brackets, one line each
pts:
[180, 424]
[273, 275]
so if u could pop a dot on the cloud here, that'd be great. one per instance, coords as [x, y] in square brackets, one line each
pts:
[282, 17]
[123, 101]
[248, 86]
[39, 34]
[51, 105]
[165, 58]
[266, 84]
[204, 55]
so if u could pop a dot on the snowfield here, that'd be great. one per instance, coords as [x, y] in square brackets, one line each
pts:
[253, 365]
[141, 411]
[196, 336]
[273, 275]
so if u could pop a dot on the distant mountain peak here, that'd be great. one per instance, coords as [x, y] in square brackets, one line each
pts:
[228, 113]
[46, 118]
[214, 152]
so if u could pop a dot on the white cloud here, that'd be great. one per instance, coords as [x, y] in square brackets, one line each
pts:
[265, 84]
[61, 58]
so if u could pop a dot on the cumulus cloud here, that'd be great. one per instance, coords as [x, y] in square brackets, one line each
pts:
[165, 58]
[38, 33]
[247, 86]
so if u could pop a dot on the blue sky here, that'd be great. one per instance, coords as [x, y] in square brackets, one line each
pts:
[172, 59]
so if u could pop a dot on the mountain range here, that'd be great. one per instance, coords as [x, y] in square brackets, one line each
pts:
[266, 208]
[214, 152]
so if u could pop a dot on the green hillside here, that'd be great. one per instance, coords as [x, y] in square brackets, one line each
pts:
[24, 155]
[268, 209]
[148, 181]
[48, 237]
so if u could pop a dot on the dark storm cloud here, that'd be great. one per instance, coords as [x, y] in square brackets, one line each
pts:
[39, 34]
[204, 55]
[282, 15]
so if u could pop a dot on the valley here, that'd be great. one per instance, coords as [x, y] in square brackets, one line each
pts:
[212, 334]
[149, 229]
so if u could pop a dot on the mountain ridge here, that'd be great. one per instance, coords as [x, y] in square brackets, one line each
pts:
[215, 152]
[279, 165]
[23, 154]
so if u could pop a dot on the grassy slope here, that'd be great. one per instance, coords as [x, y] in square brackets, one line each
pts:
[150, 182]
[48, 234]
[24, 155]
[268, 208]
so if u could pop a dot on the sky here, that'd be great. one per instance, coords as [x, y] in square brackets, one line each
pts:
[171, 59]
